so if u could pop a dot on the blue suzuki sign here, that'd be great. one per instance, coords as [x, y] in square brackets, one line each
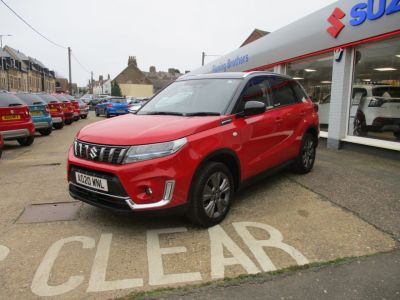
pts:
[363, 11]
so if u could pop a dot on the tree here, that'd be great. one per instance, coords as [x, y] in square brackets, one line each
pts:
[115, 89]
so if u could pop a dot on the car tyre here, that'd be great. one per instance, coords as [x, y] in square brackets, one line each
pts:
[58, 125]
[83, 116]
[305, 160]
[46, 131]
[359, 127]
[68, 122]
[107, 115]
[211, 195]
[27, 141]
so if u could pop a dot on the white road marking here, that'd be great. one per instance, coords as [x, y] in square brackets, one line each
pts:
[274, 241]
[97, 282]
[4, 251]
[39, 284]
[154, 255]
[219, 239]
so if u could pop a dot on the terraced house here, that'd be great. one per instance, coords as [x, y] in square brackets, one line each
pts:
[19, 72]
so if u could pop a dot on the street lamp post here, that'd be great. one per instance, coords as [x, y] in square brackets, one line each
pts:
[203, 56]
[1, 39]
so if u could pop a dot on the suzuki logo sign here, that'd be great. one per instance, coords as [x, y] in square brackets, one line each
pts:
[369, 10]
[337, 25]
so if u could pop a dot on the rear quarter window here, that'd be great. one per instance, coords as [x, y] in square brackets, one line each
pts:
[7, 100]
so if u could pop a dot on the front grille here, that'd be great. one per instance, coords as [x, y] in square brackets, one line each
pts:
[102, 153]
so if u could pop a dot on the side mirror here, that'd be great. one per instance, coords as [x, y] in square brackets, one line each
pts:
[252, 108]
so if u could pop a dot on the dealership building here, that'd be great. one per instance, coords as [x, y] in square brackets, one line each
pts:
[347, 57]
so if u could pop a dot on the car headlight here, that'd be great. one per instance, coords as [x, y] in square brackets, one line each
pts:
[150, 151]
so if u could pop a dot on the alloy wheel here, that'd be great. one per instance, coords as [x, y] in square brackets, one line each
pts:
[308, 153]
[216, 195]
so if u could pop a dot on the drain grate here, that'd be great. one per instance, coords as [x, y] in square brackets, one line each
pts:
[50, 212]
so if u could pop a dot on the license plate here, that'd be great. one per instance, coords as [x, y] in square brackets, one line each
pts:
[53, 110]
[91, 181]
[11, 117]
[36, 113]
[120, 111]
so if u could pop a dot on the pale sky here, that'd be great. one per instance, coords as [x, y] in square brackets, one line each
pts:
[163, 33]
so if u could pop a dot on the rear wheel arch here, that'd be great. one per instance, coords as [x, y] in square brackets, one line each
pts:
[314, 132]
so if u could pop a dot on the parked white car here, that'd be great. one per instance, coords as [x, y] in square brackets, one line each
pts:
[373, 108]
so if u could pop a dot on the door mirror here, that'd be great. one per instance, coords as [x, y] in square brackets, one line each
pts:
[252, 108]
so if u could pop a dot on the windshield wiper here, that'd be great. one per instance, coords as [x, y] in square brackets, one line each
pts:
[172, 113]
[202, 113]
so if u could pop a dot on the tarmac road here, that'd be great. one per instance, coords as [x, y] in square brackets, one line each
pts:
[283, 221]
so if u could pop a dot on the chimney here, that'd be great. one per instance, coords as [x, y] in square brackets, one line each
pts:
[132, 61]
[152, 69]
[101, 78]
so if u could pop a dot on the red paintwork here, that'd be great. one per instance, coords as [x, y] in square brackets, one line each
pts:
[262, 141]
[25, 121]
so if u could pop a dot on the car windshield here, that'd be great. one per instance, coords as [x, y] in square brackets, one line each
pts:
[386, 92]
[7, 99]
[30, 99]
[191, 97]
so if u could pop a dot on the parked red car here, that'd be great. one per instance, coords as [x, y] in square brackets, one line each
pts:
[56, 110]
[15, 120]
[1, 145]
[75, 104]
[68, 109]
[196, 143]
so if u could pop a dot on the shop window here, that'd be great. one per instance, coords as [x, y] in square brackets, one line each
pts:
[375, 98]
[315, 75]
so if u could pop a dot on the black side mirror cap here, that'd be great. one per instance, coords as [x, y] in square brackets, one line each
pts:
[252, 108]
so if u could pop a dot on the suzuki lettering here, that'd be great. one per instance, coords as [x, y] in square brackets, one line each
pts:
[363, 11]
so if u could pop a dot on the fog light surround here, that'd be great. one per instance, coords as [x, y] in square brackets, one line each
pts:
[168, 193]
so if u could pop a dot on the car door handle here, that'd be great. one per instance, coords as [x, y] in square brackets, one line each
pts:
[278, 120]
[302, 113]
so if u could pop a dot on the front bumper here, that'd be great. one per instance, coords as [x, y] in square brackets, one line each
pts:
[57, 120]
[156, 184]
[118, 203]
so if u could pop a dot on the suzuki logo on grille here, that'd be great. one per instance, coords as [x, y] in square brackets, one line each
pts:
[334, 20]
[93, 153]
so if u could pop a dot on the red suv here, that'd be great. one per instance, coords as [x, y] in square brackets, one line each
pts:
[68, 109]
[196, 143]
[15, 120]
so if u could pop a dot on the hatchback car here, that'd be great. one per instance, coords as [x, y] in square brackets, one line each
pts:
[75, 104]
[195, 144]
[15, 120]
[112, 107]
[68, 109]
[83, 109]
[39, 111]
[56, 109]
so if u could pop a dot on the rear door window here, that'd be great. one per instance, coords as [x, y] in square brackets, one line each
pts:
[282, 91]
[7, 100]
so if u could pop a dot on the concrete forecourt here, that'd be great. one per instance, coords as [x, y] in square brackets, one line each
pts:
[73, 250]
